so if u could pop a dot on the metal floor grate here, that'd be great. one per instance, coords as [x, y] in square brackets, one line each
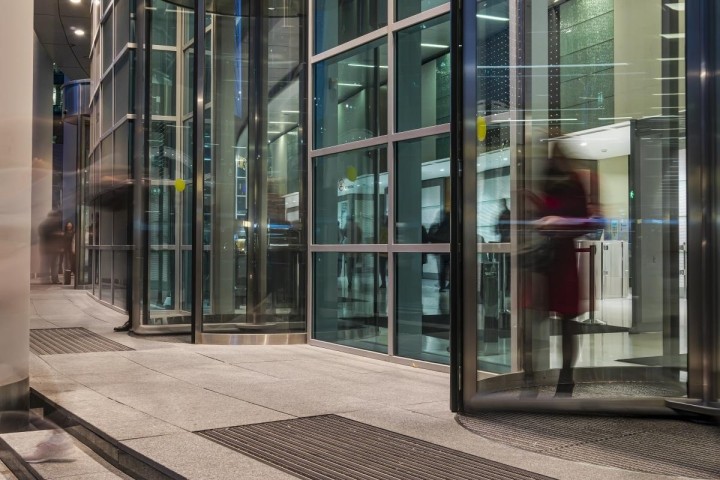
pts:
[53, 341]
[330, 447]
[658, 446]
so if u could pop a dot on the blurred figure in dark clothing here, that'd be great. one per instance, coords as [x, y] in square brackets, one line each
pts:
[68, 257]
[503, 223]
[352, 234]
[51, 244]
[564, 216]
[440, 233]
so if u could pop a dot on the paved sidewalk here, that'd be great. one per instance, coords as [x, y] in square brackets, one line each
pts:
[152, 399]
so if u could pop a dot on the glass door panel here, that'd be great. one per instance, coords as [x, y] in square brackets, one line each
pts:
[253, 230]
[579, 185]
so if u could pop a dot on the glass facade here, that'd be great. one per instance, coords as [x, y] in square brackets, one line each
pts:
[543, 244]
[104, 220]
[380, 180]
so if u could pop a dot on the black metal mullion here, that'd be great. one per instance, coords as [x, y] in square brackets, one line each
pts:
[198, 155]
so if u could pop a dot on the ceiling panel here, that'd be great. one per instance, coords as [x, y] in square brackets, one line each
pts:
[55, 25]
[49, 29]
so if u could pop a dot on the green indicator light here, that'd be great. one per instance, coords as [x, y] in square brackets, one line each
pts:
[632, 193]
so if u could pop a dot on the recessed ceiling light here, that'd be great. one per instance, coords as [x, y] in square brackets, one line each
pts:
[75, 1]
[79, 32]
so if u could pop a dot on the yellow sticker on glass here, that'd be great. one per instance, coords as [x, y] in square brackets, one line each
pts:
[481, 129]
[351, 173]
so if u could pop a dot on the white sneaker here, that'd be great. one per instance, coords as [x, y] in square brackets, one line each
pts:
[48, 451]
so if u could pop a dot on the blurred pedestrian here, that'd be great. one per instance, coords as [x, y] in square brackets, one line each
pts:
[69, 247]
[564, 216]
[440, 233]
[51, 244]
[352, 234]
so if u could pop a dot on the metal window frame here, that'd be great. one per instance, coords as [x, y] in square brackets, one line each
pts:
[389, 141]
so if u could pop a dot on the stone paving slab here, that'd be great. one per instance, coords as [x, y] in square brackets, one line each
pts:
[152, 399]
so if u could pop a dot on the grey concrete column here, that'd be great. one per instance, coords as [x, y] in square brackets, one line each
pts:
[16, 135]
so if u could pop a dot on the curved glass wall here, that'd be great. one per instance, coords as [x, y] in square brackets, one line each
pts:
[579, 223]
[252, 222]
[106, 176]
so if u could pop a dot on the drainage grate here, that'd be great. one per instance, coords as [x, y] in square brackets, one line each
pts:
[654, 445]
[52, 341]
[330, 447]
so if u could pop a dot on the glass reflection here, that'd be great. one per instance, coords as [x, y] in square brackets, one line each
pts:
[351, 96]
[408, 8]
[423, 184]
[349, 313]
[422, 308]
[339, 21]
[423, 74]
[350, 197]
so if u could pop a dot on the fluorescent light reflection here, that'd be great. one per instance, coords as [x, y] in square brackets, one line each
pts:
[366, 66]
[492, 17]
[672, 36]
[433, 45]
[536, 120]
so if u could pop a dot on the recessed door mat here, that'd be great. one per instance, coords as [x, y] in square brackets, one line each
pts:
[330, 447]
[54, 341]
[660, 446]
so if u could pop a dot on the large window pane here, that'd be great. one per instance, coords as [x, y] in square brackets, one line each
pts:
[162, 83]
[122, 152]
[493, 337]
[350, 196]
[423, 306]
[161, 214]
[106, 114]
[123, 87]
[423, 75]
[351, 96]
[349, 309]
[122, 24]
[107, 42]
[163, 156]
[339, 21]
[422, 190]
[161, 280]
[164, 23]
[408, 8]
[121, 261]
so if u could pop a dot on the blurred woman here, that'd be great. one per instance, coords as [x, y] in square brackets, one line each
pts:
[564, 216]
